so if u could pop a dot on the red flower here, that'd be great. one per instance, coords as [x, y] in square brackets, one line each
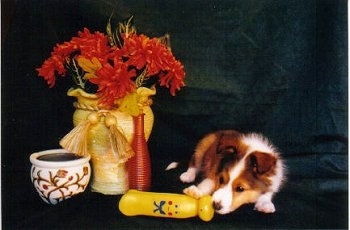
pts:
[113, 82]
[92, 45]
[135, 48]
[158, 57]
[112, 69]
[89, 45]
[142, 52]
[173, 77]
[50, 67]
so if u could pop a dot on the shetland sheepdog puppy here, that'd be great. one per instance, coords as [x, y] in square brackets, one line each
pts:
[235, 169]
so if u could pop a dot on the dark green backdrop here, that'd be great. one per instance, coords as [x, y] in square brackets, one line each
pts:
[276, 67]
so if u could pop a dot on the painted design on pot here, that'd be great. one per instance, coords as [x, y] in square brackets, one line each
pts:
[61, 183]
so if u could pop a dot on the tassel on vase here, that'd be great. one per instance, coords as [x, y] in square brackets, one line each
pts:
[76, 140]
[120, 146]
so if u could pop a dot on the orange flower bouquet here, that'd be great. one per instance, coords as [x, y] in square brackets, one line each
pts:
[114, 65]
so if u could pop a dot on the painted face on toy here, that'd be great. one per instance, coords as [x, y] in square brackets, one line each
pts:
[168, 208]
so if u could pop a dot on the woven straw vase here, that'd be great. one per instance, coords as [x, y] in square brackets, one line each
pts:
[93, 126]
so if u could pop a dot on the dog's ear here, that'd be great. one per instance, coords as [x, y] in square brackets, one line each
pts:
[226, 160]
[261, 162]
[227, 144]
[227, 150]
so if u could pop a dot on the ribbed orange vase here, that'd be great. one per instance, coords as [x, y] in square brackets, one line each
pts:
[139, 165]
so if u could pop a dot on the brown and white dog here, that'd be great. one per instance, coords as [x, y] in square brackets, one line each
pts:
[236, 169]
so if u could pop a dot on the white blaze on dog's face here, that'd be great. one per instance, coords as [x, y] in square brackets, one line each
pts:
[243, 182]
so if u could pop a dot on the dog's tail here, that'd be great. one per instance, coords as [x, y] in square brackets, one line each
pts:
[172, 165]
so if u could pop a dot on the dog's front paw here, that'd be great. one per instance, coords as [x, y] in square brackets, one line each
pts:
[265, 207]
[193, 191]
[188, 177]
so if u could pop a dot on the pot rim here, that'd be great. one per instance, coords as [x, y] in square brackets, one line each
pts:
[54, 164]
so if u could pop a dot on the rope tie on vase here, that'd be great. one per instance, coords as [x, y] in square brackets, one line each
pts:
[76, 141]
[82, 106]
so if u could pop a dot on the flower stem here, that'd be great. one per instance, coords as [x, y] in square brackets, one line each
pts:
[78, 77]
[76, 72]
[140, 78]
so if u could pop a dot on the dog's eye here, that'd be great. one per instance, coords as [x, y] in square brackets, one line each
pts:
[239, 189]
[223, 178]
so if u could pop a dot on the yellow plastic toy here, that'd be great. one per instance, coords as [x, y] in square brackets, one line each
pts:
[165, 205]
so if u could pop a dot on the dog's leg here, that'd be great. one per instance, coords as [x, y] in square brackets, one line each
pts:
[206, 187]
[264, 203]
[191, 173]
[197, 158]
[189, 176]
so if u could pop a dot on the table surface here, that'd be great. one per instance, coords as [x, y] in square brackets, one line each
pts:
[298, 205]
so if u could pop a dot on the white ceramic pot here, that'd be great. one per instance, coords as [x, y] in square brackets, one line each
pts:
[58, 175]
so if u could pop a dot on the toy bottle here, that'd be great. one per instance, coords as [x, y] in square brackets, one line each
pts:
[165, 205]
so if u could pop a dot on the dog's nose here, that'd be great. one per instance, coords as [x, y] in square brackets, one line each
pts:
[217, 205]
